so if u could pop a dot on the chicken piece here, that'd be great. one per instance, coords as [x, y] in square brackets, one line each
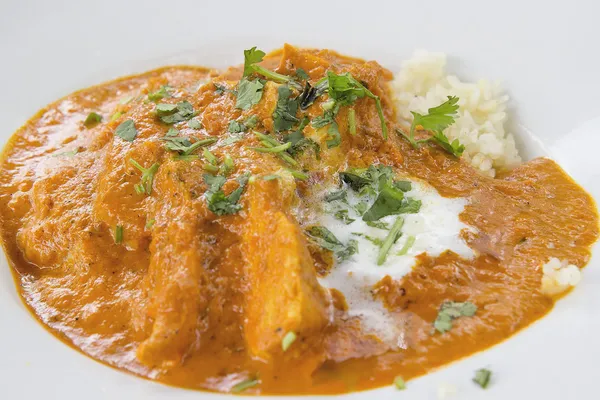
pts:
[284, 295]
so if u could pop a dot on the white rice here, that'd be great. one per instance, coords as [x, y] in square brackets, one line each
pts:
[423, 83]
[559, 276]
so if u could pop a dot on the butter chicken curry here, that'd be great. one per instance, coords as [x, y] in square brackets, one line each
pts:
[170, 224]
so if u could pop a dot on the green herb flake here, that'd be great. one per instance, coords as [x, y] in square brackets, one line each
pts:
[67, 153]
[228, 165]
[327, 240]
[194, 124]
[162, 93]
[436, 120]
[210, 157]
[334, 138]
[299, 175]
[392, 237]
[345, 90]
[145, 187]
[92, 119]
[271, 177]
[119, 234]
[399, 383]
[483, 377]
[217, 201]
[301, 74]
[288, 340]
[244, 385]
[249, 93]
[125, 100]
[126, 130]
[352, 121]
[378, 225]
[252, 57]
[284, 116]
[343, 216]
[116, 116]
[449, 311]
[407, 245]
[150, 223]
[173, 113]
[274, 149]
[341, 195]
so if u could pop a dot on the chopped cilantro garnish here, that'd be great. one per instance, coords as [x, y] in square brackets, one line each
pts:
[198, 144]
[343, 216]
[407, 245]
[284, 116]
[119, 234]
[323, 120]
[116, 116]
[378, 225]
[273, 149]
[327, 240]
[173, 113]
[298, 174]
[336, 195]
[375, 240]
[244, 385]
[451, 310]
[150, 223]
[269, 142]
[361, 207]
[213, 169]
[288, 340]
[249, 93]
[271, 177]
[67, 153]
[399, 383]
[210, 157]
[388, 202]
[345, 90]
[126, 130]
[160, 94]
[352, 121]
[194, 124]
[252, 57]
[147, 177]
[334, 138]
[228, 165]
[92, 119]
[482, 377]
[436, 120]
[301, 74]
[217, 201]
[392, 237]
[220, 89]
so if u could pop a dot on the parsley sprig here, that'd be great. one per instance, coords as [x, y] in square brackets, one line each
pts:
[436, 121]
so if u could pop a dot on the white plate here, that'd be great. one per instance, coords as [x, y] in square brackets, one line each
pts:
[546, 54]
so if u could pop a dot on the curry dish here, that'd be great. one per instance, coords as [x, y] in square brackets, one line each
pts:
[170, 224]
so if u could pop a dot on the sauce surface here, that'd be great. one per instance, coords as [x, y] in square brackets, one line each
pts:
[198, 300]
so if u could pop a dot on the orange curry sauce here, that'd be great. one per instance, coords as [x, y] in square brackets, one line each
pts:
[198, 300]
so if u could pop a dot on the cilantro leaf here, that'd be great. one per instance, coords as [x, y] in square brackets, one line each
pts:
[437, 120]
[301, 74]
[173, 113]
[343, 216]
[345, 90]
[249, 93]
[145, 187]
[217, 201]
[336, 195]
[92, 119]
[194, 124]
[335, 138]
[252, 56]
[160, 94]
[244, 385]
[126, 130]
[449, 311]
[405, 186]
[284, 116]
[391, 238]
[482, 377]
[378, 225]
[354, 180]
[327, 240]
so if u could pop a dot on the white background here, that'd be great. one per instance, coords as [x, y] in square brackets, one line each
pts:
[545, 52]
